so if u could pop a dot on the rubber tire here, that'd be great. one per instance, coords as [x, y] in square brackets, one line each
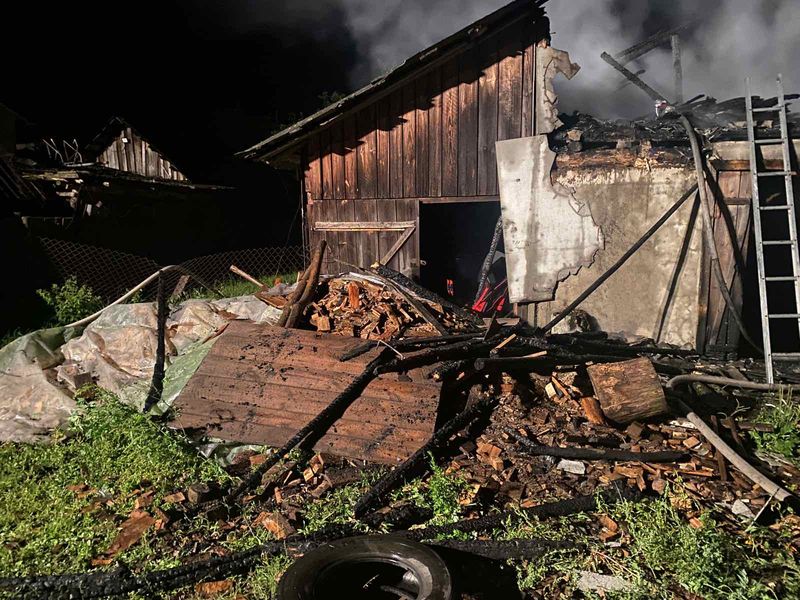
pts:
[301, 580]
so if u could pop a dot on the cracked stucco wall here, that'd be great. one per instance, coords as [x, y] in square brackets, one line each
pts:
[625, 202]
[549, 233]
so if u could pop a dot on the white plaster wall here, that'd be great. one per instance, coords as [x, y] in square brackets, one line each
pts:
[625, 202]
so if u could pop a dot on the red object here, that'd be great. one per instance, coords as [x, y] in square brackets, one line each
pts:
[450, 288]
[492, 299]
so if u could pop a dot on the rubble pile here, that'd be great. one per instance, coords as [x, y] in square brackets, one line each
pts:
[373, 310]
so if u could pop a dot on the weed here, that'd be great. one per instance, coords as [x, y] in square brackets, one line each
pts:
[784, 416]
[234, 287]
[440, 493]
[71, 302]
[46, 526]
[704, 560]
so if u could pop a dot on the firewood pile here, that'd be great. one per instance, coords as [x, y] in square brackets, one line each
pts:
[373, 310]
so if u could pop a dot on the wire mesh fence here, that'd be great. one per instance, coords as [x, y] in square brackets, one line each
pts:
[111, 273]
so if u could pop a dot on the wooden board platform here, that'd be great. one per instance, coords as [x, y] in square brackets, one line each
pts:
[260, 384]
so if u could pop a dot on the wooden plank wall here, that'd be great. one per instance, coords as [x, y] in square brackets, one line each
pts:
[733, 187]
[432, 139]
[131, 153]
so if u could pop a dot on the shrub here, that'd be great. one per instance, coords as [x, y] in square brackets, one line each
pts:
[71, 302]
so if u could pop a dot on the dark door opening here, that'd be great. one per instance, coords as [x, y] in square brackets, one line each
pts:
[454, 240]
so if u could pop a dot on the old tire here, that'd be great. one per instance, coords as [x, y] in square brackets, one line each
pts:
[374, 567]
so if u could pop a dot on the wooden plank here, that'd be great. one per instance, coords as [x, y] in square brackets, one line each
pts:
[459, 199]
[435, 133]
[326, 164]
[387, 211]
[345, 211]
[450, 109]
[337, 161]
[363, 225]
[313, 171]
[468, 125]
[327, 210]
[367, 239]
[396, 145]
[528, 69]
[409, 142]
[152, 162]
[130, 152]
[487, 118]
[350, 158]
[123, 157]
[421, 143]
[510, 74]
[391, 252]
[367, 154]
[408, 256]
[384, 127]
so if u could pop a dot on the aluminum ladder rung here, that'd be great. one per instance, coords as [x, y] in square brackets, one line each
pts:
[788, 210]
[776, 173]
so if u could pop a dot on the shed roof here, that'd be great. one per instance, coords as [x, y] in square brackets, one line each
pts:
[282, 141]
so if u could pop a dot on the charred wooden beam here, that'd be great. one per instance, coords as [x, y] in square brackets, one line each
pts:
[398, 476]
[560, 508]
[297, 308]
[634, 79]
[421, 292]
[505, 549]
[594, 453]
[459, 350]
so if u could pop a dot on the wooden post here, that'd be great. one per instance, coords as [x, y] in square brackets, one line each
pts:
[629, 390]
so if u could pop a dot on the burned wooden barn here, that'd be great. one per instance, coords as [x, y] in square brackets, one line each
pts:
[404, 170]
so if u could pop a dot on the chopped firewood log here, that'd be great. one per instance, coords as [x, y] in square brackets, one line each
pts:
[628, 391]
[353, 295]
[591, 408]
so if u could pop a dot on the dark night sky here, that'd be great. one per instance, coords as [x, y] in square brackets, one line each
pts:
[178, 68]
[206, 78]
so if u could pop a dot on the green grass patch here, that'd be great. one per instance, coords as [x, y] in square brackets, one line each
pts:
[784, 415]
[707, 561]
[440, 493]
[71, 302]
[45, 527]
[233, 287]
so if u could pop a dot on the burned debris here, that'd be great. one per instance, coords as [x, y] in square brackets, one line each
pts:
[591, 356]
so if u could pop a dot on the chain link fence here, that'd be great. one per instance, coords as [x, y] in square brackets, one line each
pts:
[111, 273]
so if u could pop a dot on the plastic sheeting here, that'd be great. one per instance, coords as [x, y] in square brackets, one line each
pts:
[31, 403]
[39, 371]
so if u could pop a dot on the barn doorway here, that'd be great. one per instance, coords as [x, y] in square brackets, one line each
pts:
[454, 239]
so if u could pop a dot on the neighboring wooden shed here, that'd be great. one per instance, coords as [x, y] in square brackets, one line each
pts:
[421, 136]
[119, 146]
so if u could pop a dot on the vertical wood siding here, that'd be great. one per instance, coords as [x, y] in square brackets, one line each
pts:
[130, 153]
[433, 137]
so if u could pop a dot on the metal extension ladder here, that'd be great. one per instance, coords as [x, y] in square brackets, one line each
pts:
[787, 208]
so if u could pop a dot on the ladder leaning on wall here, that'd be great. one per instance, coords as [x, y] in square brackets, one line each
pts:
[766, 283]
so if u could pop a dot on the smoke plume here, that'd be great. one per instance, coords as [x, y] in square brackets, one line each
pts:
[732, 39]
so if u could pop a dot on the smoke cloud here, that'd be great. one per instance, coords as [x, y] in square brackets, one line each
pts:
[732, 39]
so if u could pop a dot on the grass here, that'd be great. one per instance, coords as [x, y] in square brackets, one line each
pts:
[667, 552]
[233, 287]
[440, 493]
[47, 527]
[784, 416]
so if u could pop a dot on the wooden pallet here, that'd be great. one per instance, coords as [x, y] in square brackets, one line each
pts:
[260, 384]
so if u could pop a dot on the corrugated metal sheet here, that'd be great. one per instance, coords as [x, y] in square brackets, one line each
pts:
[261, 384]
